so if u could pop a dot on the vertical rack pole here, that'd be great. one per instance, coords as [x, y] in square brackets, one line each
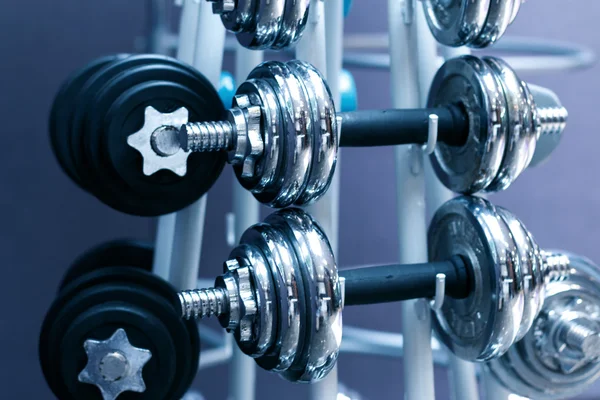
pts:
[209, 37]
[312, 48]
[188, 28]
[242, 372]
[405, 78]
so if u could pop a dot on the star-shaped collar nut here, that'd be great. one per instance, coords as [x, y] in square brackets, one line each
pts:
[114, 365]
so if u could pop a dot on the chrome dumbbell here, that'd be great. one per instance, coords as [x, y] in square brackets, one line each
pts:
[281, 134]
[473, 23]
[282, 296]
[560, 356]
[264, 24]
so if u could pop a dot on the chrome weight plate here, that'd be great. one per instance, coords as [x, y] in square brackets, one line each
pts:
[456, 22]
[323, 293]
[521, 135]
[501, 13]
[242, 16]
[483, 325]
[266, 25]
[290, 296]
[297, 127]
[469, 82]
[528, 368]
[324, 131]
[531, 280]
[294, 20]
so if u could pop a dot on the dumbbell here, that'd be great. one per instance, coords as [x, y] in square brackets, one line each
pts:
[264, 24]
[282, 133]
[476, 24]
[560, 356]
[103, 103]
[116, 328]
[282, 295]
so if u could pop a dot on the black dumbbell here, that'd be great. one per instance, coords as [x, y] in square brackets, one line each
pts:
[115, 328]
[103, 103]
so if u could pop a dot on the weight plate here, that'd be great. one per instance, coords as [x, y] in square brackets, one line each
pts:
[86, 108]
[323, 293]
[241, 18]
[499, 16]
[268, 177]
[293, 22]
[455, 22]
[115, 253]
[297, 125]
[291, 306]
[266, 25]
[137, 288]
[163, 192]
[483, 325]
[324, 132]
[63, 108]
[521, 137]
[138, 75]
[469, 82]
[530, 262]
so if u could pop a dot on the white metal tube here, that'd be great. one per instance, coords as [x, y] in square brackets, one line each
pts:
[313, 48]
[242, 372]
[189, 222]
[405, 76]
[163, 248]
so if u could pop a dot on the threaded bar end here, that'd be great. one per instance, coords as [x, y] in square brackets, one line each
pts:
[206, 136]
[553, 120]
[203, 303]
[556, 266]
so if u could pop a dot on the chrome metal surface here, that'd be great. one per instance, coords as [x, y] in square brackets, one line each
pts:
[500, 14]
[558, 358]
[324, 131]
[322, 291]
[521, 130]
[509, 273]
[483, 325]
[293, 22]
[265, 27]
[114, 365]
[506, 124]
[456, 22]
[470, 82]
[157, 141]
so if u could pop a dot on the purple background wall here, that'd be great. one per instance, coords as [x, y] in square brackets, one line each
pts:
[47, 221]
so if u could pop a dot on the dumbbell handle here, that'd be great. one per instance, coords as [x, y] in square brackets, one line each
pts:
[397, 127]
[389, 283]
[367, 285]
[358, 129]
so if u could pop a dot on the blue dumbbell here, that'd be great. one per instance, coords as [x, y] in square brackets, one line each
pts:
[227, 88]
[348, 92]
[347, 7]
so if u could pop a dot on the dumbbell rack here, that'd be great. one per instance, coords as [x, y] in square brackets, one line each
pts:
[413, 61]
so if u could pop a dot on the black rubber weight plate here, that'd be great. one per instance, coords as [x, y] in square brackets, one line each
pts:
[62, 110]
[115, 253]
[163, 192]
[76, 296]
[86, 106]
[119, 84]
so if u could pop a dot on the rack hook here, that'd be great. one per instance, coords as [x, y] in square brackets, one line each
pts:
[440, 292]
[432, 134]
